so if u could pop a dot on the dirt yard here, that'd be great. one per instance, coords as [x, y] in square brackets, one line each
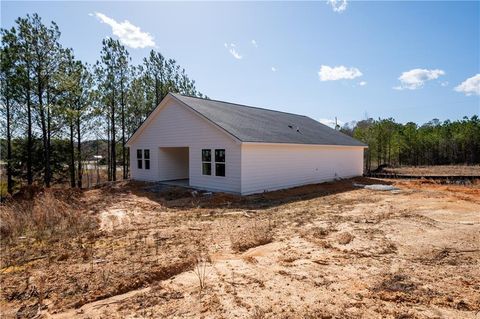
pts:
[321, 251]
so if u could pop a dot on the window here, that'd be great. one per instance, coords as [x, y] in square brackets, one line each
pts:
[220, 156]
[146, 156]
[219, 162]
[139, 159]
[207, 162]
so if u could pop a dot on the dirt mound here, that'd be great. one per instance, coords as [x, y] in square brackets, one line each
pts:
[251, 235]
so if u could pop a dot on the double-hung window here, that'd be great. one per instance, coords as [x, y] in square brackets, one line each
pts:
[141, 157]
[220, 162]
[206, 162]
[146, 156]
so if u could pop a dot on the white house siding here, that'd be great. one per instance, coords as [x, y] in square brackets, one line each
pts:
[176, 125]
[173, 162]
[276, 166]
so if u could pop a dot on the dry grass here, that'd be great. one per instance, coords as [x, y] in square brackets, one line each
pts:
[202, 261]
[46, 216]
[319, 232]
[396, 283]
[345, 238]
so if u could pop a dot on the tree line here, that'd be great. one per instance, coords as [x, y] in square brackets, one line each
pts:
[54, 105]
[433, 143]
[52, 102]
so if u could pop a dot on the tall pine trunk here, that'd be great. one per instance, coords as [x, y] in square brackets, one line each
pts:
[113, 149]
[157, 92]
[9, 150]
[43, 124]
[45, 142]
[79, 154]
[29, 131]
[123, 132]
[109, 153]
[48, 170]
[72, 157]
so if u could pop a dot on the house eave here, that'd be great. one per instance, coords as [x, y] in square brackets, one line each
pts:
[302, 144]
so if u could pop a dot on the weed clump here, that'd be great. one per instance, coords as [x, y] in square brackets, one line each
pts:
[321, 232]
[45, 216]
[251, 235]
[345, 238]
[396, 283]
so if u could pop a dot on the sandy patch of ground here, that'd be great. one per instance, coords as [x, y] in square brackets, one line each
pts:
[112, 218]
[320, 251]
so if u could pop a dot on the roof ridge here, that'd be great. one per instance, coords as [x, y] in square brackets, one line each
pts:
[238, 104]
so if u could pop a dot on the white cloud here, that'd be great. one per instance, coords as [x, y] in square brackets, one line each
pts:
[330, 122]
[254, 43]
[274, 69]
[129, 34]
[362, 83]
[470, 86]
[444, 83]
[328, 73]
[231, 48]
[338, 5]
[416, 78]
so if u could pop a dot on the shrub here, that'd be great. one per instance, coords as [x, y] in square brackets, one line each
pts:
[44, 216]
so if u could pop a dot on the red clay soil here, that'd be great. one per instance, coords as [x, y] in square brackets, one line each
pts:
[330, 250]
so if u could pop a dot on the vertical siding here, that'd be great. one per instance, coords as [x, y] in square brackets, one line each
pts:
[177, 126]
[267, 167]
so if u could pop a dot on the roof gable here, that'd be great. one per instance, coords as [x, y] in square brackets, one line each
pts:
[257, 125]
[165, 101]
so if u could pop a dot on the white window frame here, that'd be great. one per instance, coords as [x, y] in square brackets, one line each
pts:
[224, 163]
[145, 159]
[207, 162]
[139, 159]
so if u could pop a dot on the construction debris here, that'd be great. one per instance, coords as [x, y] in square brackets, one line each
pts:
[377, 187]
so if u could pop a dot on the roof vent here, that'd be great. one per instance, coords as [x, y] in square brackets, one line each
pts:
[294, 127]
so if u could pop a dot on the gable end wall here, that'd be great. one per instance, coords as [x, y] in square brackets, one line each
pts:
[176, 125]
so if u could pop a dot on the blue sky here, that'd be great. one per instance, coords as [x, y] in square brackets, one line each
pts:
[405, 60]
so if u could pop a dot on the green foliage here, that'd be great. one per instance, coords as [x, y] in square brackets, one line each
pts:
[433, 143]
[51, 102]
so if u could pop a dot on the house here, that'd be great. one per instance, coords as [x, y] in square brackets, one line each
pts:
[228, 147]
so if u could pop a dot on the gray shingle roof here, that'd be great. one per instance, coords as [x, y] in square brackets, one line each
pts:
[253, 124]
